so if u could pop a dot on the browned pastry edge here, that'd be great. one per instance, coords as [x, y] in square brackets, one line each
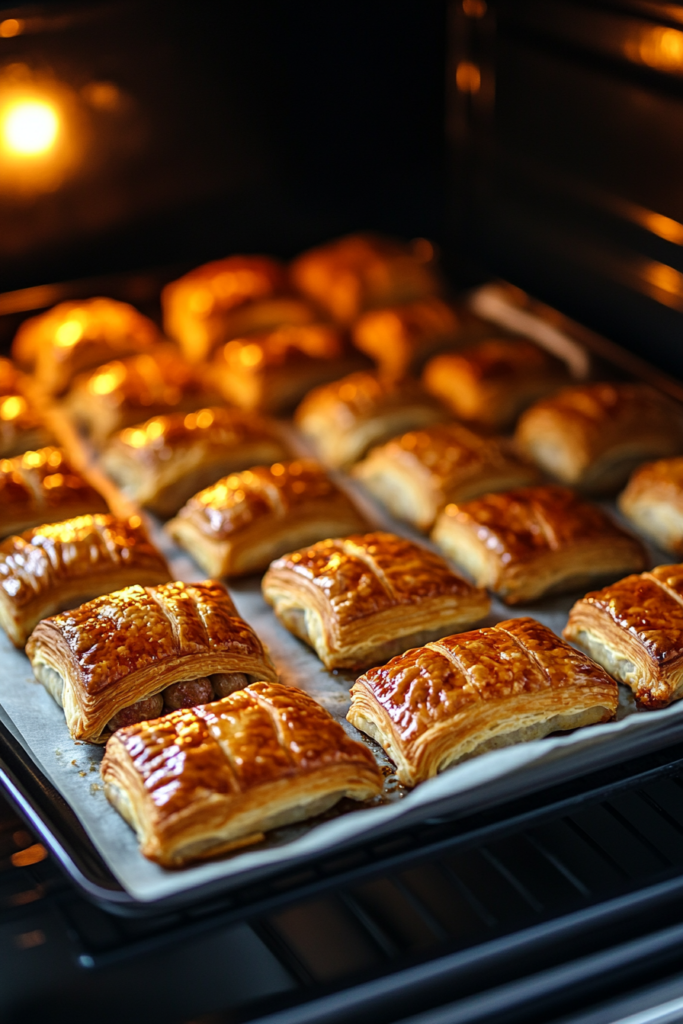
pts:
[653, 501]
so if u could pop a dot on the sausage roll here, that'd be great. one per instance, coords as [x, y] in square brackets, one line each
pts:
[401, 338]
[40, 487]
[416, 474]
[466, 694]
[358, 600]
[634, 628]
[260, 759]
[245, 520]
[592, 435]
[342, 420]
[359, 272]
[59, 565]
[653, 501]
[490, 383]
[272, 372]
[126, 391]
[21, 425]
[163, 462]
[139, 652]
[226, 299]
[76, 336]
[536, 540]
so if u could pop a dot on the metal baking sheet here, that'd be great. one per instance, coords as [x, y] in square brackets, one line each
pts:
[73, 768]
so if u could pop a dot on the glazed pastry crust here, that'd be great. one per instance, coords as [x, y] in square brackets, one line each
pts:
[344, 419]
[525, 543]
[635, 629]
[227, 299]
[490, 383]
[360, 272]
[401, 338]
[466, 694]
[163, 462]
[21, 426]
[262, 758]
[247, 519]
[126, 646]
[76, 336]
[417, 474]
[271, 372]
[43, 486]
[360, 599]
[127, 391]
[58, 565]
[653, 501]
[592, 436]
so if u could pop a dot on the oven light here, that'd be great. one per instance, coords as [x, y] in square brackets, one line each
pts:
[30, 127]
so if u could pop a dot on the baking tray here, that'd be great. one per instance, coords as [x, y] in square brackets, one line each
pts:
[56, 784]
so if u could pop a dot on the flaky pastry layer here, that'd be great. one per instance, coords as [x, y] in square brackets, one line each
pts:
[653, 501]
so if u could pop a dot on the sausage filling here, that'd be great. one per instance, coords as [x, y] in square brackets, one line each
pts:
[185, 694]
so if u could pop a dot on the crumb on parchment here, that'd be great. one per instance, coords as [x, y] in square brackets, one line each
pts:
[95, 788]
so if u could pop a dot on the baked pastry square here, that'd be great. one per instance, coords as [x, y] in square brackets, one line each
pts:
[593, 435]
[653, 501]
[246, 519]
[349, 275]
[490, 383]
[358, 600]
[229, 298]
[271, 372]
[634, 628]
[163, 462]
[41, 487]
[131, 655]
[533, 541]
[342, 420]
[126, 391]
[76, 336]
[263, 758]
[401, 338]
[21, 426]
[463, 695]
[59, 565]
[416, 474]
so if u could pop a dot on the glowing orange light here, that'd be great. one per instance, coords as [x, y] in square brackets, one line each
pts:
[11, 27]
[30, 127]
[33, 855]
[68, 333]
[12, 407]
[468, 77]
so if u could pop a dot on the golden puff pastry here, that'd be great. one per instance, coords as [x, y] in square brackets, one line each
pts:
[634, 628]
[401, 338]
[226, 299]
[463, 695]
[133, 654]
[271, 372]
[342, 420]
[359, 272]
[653, 501]
[593, 435]
[76, 336]
[245, 520]
[163, 462]
[43, 486]
[59, 565]
[416, 474]
[262, 758]
[488, 384]
[21, 425]
[125, 391]
[358, 600]
[533, 541]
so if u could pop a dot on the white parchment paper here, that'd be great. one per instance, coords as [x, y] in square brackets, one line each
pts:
[73, 768]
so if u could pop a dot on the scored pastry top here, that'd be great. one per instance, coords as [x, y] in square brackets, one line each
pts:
[500, 358]
[368, 573]
[527, 521]
[212, 428]
[44, 481]
[664, 476]
[286, 345]
[360, 396]
[40, 559]
[262, 734]
[228, 283]
[161, 377]
[118, 634]
[431, 684]
[239, 499]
